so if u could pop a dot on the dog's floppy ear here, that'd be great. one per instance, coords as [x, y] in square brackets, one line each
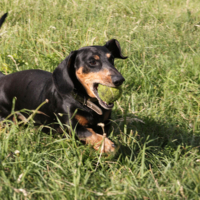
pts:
[61, 75]
[114, 47]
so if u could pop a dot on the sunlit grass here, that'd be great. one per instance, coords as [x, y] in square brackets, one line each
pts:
[155, 123]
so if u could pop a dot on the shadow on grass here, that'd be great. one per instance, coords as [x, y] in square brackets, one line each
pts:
[133, 134]
[155, 136]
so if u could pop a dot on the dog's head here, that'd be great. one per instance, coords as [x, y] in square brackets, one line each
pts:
[87, 68]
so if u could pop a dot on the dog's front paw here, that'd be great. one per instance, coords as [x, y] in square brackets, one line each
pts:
[104, 144]
[99, 142]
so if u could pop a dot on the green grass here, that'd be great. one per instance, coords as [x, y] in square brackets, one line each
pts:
[156, 123]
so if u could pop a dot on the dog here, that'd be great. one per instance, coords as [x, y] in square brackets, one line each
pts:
[71, 92]
[2, 19]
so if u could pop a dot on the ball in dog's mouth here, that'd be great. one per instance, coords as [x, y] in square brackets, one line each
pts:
[107, 95]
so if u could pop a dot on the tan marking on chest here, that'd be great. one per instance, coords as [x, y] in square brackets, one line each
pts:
[81, 120]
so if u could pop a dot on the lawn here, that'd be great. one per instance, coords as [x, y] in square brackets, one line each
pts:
[155, 124]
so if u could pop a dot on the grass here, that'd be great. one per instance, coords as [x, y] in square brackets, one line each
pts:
[156, 123]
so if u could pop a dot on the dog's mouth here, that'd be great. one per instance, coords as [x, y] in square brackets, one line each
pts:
[101, 102]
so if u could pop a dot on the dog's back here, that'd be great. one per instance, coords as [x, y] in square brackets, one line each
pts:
[2, 19]
[1, 74]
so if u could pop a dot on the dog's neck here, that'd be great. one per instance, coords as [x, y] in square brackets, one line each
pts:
[86, 102]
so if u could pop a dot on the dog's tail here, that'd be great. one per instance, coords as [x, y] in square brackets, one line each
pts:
[2, 19]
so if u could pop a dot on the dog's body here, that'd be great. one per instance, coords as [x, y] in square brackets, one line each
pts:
[72, 90]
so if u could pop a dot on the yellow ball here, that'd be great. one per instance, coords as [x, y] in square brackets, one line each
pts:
[109, 94]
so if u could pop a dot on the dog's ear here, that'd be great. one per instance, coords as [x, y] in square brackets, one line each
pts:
[114, 47]
[61, 75]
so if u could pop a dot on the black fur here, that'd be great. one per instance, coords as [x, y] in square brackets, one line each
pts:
[2, 19]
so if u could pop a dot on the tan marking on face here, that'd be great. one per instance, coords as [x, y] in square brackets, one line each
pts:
[96, 140]
[96, 57]
[81, 120]
[87, 80]
[108, 55]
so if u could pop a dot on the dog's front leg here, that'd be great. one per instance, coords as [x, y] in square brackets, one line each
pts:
[83, 131]
[96, 140]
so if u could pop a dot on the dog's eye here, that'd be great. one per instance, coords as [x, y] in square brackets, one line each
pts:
[93, 62]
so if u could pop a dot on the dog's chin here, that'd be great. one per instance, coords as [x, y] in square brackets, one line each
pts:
[101, 102]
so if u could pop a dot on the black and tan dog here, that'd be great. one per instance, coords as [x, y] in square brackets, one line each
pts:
[72, 88]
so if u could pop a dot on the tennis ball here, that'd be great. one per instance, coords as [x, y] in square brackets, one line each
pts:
[109, 94]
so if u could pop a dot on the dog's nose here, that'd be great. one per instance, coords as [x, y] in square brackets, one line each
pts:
[117, 80]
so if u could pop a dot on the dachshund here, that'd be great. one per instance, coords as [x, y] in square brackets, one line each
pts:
[71, 92]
